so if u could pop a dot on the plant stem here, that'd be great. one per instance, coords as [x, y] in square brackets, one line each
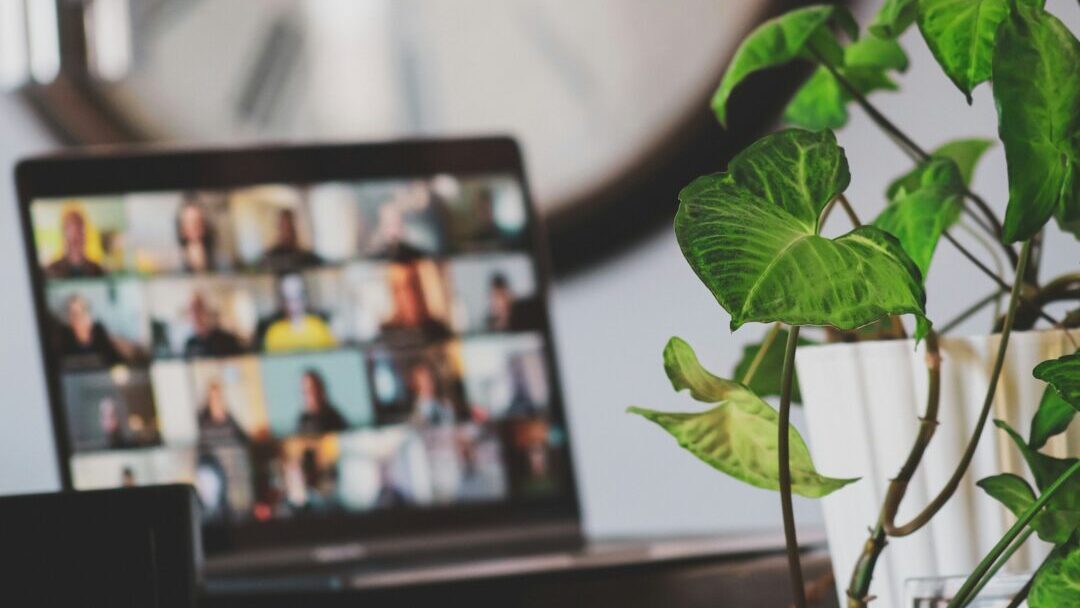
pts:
[849, 210]
[798, 588]
[969, 311]
[962, 596]
[914, 150]
[997, 279]
[859, 589]
[898, 487]
[1022, 594]
[1001, 561]
[760, 355]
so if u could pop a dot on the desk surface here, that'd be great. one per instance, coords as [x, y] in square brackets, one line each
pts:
[720, 571]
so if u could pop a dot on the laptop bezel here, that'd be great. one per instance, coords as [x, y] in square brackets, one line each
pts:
[121, 170]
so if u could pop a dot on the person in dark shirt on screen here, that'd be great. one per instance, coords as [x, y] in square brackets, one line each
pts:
[73, 262]
[318, 415]
[82, 340]
[216, 424]
[208, 339]
[195, 235]
[286, 253]
[410, 313]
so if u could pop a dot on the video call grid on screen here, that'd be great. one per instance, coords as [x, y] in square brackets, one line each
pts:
[299, 351]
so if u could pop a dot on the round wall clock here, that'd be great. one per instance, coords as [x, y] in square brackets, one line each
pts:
[609, 98]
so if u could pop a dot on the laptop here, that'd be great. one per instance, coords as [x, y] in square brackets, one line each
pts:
[345, 349]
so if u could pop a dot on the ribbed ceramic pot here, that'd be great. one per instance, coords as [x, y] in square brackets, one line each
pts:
[863, 401]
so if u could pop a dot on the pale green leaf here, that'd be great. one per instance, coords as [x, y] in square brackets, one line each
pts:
[686, 373]
[1037, 90]
[766, 380]
[774, 43]
[964, 152]
[1052, 418]
[1064, 375]
[751, 235]
[894, 17]
[1057, 583]
[960, 34]
[919, 218]
[739, 436]
[1062, 514]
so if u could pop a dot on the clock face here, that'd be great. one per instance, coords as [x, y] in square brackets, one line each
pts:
[588, 87]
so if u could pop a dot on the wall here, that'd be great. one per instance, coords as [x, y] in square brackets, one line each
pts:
[611, 325]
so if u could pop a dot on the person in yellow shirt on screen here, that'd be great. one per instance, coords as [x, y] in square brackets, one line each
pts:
[295, 326]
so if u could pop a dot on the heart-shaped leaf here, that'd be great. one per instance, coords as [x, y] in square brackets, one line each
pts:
[964, 152]
[1057, 583]
[1017, 496]
[1064, 375]
[779, 41]
[739, 436]
[960, 34]
[766, 379]
[751, 235]
[1037, 91]
[1063, 510]
[1052, 418]
[918, 218]
[894, 17]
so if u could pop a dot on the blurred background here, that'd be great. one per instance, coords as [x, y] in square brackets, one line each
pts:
[609, 99]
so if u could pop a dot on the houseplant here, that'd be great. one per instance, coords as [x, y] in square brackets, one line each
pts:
[753, 235]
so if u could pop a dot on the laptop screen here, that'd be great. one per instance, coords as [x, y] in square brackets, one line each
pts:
[304, 350]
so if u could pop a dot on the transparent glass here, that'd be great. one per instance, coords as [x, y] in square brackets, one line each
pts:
[935, 592]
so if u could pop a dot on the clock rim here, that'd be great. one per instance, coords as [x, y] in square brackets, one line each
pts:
[629, 205]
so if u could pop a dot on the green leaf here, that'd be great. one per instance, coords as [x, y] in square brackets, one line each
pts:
[960, 34]
[876, 52]
[751, 235]
[1063, 511]
[821, 102]
[1010, 490]
[919, 218]
[776, 42]
[1064, 375]
[739, 436]
[894, 18]
[1037, 91]
[1052, 418]
[1017, 496]
[964, 152]
[1057, 583]
[766, 380]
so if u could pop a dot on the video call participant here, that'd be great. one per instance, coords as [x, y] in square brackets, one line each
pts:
[507, 312]
[82, 340]
[208, 339]
[109, 421]
[318, 415]
[73, 262]
[430, 407]
[286, 252]
[195, 235]
[294, 326]
[216, 424]
[410, 314]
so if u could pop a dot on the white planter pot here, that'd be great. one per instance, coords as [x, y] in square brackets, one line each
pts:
[862, 404]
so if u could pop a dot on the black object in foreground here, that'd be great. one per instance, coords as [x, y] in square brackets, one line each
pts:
[116, 548]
